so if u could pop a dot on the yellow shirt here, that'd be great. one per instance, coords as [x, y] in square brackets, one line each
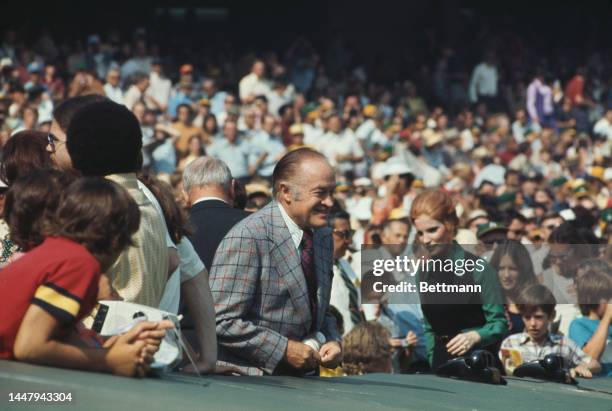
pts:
[186, 132]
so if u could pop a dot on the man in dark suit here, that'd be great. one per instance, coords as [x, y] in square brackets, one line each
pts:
[271, 276]
[208, 183]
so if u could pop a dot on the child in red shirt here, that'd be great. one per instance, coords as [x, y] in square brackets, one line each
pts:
[45, 293]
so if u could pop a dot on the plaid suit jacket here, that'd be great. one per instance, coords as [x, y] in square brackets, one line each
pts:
[260, 293]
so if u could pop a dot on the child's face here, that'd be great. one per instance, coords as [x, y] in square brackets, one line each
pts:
[536, 324]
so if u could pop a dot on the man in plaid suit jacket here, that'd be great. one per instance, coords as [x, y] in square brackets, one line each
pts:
[268, 297]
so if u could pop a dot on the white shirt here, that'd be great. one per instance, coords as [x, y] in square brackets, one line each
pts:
[483, 82]
[159, 89]
[603, 127]
[199, 200]
[276, 101]
[345, 143]
[339, 297]
[312, 135]
[114, 93]
[251, 85]
[296, 232]
[133, 96]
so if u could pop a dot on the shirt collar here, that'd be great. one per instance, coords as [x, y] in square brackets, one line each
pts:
[550, 338]
[295, 230]
[199, 200]
[127, 180]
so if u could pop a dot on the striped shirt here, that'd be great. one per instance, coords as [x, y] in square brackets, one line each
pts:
[552, 344]
[141, 272]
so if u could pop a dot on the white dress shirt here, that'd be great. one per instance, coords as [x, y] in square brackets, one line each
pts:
[296, 232]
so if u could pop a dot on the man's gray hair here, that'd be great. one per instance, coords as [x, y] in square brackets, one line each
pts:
[207, 171]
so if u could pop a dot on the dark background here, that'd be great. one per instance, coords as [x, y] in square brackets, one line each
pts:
[391, 38]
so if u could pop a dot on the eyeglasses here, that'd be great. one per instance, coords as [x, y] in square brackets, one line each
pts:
[347, 234]
[53, 142]
[560, 257]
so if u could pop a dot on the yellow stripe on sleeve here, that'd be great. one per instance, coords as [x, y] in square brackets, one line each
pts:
[52, 297]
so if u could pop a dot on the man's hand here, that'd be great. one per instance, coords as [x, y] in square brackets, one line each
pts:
[301, 356]
[331, 354]
[581, 370]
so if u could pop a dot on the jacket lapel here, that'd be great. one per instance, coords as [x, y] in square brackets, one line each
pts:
[286, 259]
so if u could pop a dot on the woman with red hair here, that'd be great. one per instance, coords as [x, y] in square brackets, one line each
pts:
[462, 303]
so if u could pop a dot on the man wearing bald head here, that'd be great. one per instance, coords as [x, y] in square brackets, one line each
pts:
[271, 276]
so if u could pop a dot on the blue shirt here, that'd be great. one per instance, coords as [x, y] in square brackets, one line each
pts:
[409, 317]
[263, 142]
[176, 101]
[236, 156]
[581, 330]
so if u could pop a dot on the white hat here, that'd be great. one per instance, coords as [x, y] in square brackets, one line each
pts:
[465, 236]
[395, 166]
[362, 211]
[362, 182]
[6, 61]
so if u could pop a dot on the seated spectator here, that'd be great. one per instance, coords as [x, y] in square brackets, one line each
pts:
[592, 332]
[104, 139]
[367, 349]
[23, 152]
[513, 264]
[537, 307]
[56, 284]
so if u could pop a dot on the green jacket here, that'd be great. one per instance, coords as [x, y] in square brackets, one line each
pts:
[496, 325]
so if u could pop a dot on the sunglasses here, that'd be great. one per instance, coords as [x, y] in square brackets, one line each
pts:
[346, 234]
[53, 142]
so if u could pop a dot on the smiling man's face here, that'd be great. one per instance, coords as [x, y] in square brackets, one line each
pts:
[308, 200]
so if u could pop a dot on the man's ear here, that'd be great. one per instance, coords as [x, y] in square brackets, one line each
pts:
[285, 193]
[232, 190]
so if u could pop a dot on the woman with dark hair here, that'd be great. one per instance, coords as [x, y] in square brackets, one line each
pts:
[211, 129]
[514, 267]
[23, 152]
[455, 322]
[194, 150]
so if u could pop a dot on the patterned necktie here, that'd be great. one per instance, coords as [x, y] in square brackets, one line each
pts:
[356, 314]
[307, 259]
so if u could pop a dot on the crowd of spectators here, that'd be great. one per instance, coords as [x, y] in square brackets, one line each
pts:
[525, 156]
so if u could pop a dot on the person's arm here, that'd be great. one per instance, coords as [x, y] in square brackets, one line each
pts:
[586, 370]
[496, 324]
[198, 297]
[429, 339]
[235, 283]
[531, 99]
[597, 343]
[473, 89]
[255, 166]
[37, 342]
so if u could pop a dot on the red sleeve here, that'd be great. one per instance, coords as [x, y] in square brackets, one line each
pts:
[70, 292]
